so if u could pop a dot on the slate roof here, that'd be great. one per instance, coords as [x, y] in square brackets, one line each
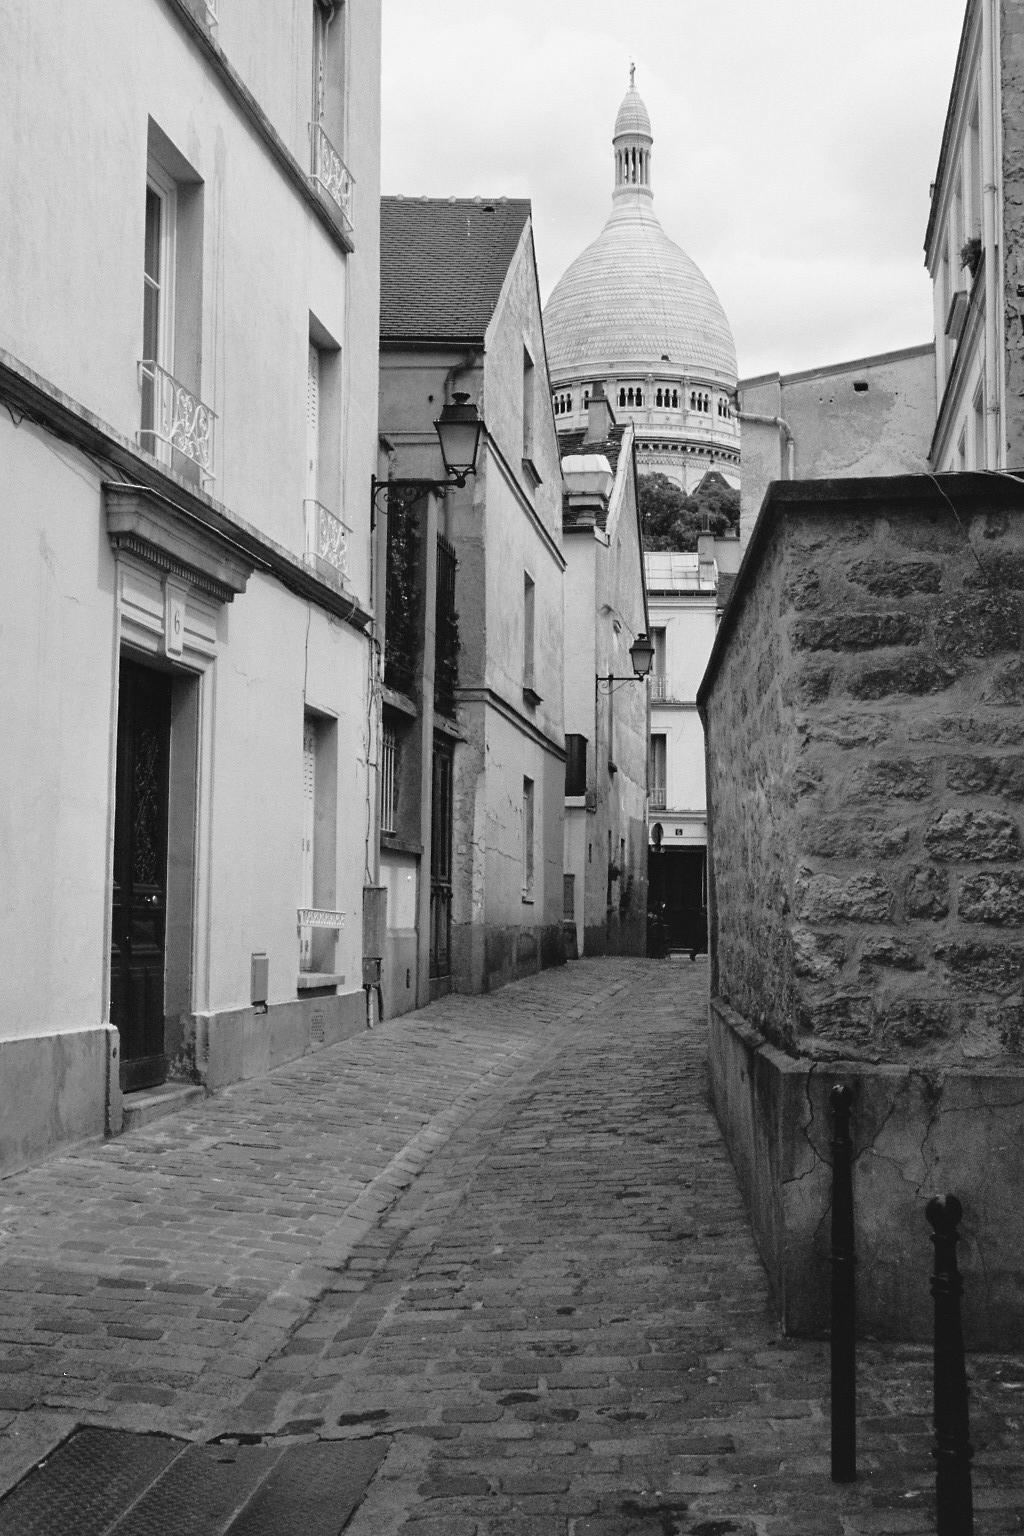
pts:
[443, 261]
[570, 443]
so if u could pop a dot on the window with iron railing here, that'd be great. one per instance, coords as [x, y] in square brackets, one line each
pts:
[389, 779]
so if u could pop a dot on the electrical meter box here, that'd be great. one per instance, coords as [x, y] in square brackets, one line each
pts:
[375, 921]
[259, 979]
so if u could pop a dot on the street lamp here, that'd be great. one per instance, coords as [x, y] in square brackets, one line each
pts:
[641, 655]
[459, 429]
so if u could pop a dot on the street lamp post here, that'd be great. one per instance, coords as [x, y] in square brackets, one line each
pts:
[459, 429]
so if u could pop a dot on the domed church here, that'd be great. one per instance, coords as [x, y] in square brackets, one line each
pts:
[634, 314]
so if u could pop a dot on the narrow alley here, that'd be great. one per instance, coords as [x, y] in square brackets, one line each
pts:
[494, 1253]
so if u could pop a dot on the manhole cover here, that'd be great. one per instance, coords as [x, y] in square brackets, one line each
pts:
[104, 1482]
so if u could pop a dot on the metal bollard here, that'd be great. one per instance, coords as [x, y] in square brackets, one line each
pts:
[952, 1451]
[844, 1321]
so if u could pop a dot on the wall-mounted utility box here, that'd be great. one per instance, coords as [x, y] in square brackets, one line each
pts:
[375, 921]
[259, 979]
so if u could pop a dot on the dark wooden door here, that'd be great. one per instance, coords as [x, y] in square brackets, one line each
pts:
[140, 873]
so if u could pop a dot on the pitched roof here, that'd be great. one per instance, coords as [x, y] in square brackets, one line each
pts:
[443, 261]
[572, 443]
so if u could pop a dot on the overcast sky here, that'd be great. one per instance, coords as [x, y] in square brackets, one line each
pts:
[794, 144]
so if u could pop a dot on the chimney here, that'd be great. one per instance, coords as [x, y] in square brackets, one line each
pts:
[599, 417]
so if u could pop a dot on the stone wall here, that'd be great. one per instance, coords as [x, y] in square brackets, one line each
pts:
[865, 739]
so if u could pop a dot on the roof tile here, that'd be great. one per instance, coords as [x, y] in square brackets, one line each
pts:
[443, 263]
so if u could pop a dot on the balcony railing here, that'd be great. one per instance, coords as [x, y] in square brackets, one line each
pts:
[174, 420]
[326, 540]
[329, 171]
[659, 686]
[309, 920]
[658, 800]
[211, 12]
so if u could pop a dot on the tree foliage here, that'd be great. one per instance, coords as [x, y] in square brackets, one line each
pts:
[671, 519]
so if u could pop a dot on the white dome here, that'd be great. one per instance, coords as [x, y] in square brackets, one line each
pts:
[633, 298]
[633, 116]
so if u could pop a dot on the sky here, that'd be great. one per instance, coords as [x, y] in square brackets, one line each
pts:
[794, 144]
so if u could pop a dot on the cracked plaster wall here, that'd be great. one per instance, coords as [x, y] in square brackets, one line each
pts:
[866, 797]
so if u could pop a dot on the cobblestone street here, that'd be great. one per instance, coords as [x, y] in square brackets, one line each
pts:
[503, 1238]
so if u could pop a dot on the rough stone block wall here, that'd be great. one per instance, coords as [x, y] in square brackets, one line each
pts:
[864, 721]
[865, 738]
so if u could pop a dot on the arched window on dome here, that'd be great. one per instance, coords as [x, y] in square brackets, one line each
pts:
[586, 398]
[629, 395]
[622, 397]
[693, 400]
[675, 399]
[639, 397]
[657, 397]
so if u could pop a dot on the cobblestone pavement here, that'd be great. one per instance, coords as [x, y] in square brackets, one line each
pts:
[503, 1236]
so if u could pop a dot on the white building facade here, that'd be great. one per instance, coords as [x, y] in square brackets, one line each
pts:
[188, 355]
[684, 595]
[974, 252]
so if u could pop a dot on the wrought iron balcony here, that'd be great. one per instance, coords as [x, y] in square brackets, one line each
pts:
[659, 686]
[174, 420]
[329, 171]
[658, 800]
[311, 920]
[326, 540]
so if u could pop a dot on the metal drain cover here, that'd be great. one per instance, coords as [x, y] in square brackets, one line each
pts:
[105, 1482]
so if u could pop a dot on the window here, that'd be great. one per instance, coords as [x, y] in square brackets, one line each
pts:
[327, 111]
[529, 611]
[575, 764]
[329, 67]
[174, 423]
[389, 779]
[327, 537]
[659, 687]
[319, 842]
[528, 834]
[656, 770]
[158, 270]
[529, 383]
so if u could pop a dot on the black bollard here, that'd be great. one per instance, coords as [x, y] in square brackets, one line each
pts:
[952, 1451]
[844, 1320]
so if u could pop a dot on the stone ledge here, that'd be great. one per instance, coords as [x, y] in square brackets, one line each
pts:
[918, 1132]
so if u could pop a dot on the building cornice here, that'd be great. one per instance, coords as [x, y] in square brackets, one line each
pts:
[34, 399]
[493, 700]
[319, 205]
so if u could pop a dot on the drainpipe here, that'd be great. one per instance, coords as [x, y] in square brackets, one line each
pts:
[782, 426]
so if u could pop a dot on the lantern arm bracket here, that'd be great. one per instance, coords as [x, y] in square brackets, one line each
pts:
[401, 494]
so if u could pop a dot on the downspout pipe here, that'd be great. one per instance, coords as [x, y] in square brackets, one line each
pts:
[781, 425]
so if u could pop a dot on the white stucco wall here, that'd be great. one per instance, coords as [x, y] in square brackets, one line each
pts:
[72, 251]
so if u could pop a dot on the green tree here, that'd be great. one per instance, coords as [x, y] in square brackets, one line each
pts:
[671, 519]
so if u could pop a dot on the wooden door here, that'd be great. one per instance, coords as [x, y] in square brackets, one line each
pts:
[140, 873]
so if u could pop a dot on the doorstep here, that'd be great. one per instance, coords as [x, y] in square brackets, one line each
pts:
[148, 1104]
